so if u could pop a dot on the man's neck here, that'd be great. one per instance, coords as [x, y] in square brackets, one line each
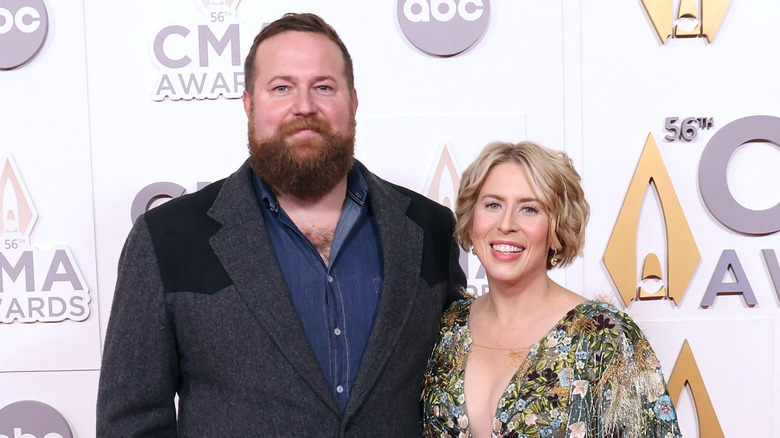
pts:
[329, 202]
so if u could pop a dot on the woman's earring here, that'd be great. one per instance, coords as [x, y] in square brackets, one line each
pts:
[554, 259]
[472, 251]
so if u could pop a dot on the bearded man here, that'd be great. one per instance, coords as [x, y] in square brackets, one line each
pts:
[300, 296]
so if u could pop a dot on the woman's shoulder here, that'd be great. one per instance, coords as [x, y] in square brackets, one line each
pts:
[604, 318]
[457, 313]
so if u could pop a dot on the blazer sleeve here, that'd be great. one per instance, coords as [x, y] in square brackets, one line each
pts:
[139, 372]
[457, 278]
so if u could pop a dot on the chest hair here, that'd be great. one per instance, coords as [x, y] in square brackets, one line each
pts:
[322, 239]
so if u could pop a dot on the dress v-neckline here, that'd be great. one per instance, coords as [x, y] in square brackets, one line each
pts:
[533, 350]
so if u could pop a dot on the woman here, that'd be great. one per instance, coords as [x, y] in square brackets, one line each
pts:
[531, 358]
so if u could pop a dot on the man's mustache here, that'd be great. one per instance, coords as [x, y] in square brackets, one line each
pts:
[314, 124]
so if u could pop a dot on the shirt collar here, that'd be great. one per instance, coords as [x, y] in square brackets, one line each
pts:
[357, 189]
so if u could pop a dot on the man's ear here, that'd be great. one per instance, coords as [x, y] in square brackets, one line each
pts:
[247, 103]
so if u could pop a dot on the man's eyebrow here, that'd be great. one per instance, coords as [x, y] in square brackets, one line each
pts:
[290, 78]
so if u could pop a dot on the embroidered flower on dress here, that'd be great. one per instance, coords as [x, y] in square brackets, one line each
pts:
[664, 409]
[530, 419]
[565, 376]
[580, 388]
[463, 421]
[577, 430]
[503, 417]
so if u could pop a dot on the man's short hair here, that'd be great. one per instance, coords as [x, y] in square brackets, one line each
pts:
[305, 22]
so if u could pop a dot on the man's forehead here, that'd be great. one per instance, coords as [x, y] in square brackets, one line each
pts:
[293, 40]
[290, 53]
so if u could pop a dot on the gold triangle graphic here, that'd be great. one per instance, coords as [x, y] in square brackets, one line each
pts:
[620, 256]
[686, 372]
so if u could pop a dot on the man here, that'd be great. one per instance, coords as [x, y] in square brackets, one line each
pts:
[300, 296]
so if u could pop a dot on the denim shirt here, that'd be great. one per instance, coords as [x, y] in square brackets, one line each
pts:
[336, 302]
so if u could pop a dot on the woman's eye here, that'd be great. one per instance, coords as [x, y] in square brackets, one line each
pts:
[530, 210]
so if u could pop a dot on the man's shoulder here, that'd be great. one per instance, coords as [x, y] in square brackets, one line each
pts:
[185, 207]
[421, 209]
[180, 231]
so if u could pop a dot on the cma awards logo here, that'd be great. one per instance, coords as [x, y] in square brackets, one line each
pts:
[693, 18]
[682, 253]
[32, 419]
[203, 60]
[35, 285]
[443, 27]
[24, 25]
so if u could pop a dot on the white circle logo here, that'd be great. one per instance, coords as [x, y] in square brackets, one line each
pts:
[23, 28]
[32, 419]
[443, 27]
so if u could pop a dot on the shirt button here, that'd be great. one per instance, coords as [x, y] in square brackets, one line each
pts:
[330, 279]
[337, 331]
[339, 389]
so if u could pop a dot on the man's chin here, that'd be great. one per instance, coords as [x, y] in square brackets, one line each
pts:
[307, 140]
[304, 149]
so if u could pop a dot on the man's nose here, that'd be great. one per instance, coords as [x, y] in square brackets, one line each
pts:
[304, 104]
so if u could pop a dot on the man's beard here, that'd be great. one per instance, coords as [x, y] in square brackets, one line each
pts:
[307, 168]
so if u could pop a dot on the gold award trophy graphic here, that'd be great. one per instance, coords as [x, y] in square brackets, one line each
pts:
[691, 20]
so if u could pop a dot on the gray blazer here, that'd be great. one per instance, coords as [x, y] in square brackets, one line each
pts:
[201, 310]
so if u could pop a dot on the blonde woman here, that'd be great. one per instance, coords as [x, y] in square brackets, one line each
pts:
[531, 358]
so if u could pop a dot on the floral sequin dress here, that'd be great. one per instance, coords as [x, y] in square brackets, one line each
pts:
[593, 375]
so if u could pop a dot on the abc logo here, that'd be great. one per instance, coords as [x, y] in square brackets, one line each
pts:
[23, 28]
[443, 27]
[32, 419]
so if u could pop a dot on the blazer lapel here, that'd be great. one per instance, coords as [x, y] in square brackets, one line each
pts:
[246, 253]
[402, 261]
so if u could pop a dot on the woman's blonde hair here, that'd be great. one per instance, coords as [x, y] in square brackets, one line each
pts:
[555, 182]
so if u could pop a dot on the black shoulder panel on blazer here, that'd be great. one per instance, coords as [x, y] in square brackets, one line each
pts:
[180, 231]
[436, 222]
